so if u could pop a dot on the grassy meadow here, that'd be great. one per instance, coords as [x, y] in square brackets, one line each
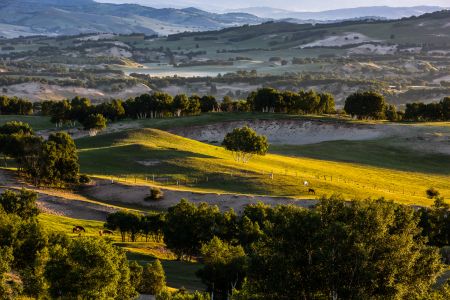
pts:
[200, 166]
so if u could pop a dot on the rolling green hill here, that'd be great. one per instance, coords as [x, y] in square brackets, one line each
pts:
[204, 167]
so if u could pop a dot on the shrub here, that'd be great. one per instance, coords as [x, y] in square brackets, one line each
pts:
[84, 179]
[432, 193]
[155, 194]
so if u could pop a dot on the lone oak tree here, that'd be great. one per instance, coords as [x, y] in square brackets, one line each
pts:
[244, 143]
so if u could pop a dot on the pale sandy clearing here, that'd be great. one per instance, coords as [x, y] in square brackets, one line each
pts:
[348, 38]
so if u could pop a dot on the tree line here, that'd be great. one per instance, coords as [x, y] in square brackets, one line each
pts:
[369, 249]
[15, 106]
[51, 161]
[361, 105]
[419, 111]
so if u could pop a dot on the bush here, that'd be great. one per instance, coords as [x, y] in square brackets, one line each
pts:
[84, 179]
[432, 193]
[155, 194]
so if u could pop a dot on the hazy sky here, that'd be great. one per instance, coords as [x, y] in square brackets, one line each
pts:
[299, 5]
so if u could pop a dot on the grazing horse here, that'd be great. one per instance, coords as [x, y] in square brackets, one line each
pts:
[312, 191]
[105, 231]
[78, 229]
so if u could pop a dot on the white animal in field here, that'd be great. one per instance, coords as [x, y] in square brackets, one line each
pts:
[305, 183]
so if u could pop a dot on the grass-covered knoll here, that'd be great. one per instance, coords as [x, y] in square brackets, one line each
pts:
[179, 274]
[147, 152]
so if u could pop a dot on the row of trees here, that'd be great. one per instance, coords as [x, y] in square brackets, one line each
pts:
[15, 106]
[52, 162]
[303, 102]
[428, 112]
[349, 250]
[131, 225]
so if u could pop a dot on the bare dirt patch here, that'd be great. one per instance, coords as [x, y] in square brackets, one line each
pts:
[133, 195]
[58, 202]
[348, 38]
[419, 137]
[287, 132]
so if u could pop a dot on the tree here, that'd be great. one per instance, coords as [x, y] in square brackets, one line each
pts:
[326, 103]
[79, 109]
[136, 271]
[265, 99]
[60, 112]
[365, 105]
[22, 204]
[194, 105]
[152, 225]
[208, 104]
[88, 269]
[391, 113]
[153, 278]
[113, 110]
[66, 166]
[11, 133]
[15, 127]
[94, 123]
[180, 104]
[9, 289]
[435, 222]
[224, 266]
[126, 222]
[188, 226]
[343, 250]
[244, 143]
[53, 162]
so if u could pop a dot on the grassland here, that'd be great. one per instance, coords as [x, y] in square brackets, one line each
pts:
[382, 153]
[179, 274]
[200, 166]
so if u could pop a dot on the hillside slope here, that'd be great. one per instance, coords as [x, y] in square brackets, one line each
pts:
[52, 17]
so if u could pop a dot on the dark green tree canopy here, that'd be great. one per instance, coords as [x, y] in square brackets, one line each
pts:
[244, 143]
[22, 204]
[365, 105]
[15, 127]
[94, 123]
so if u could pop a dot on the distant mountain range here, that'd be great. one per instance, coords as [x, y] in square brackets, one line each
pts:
[65, 17]
[69, 17]
[384, 12]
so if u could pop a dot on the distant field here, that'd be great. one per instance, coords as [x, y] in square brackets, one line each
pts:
[195, 165]
[179, 274]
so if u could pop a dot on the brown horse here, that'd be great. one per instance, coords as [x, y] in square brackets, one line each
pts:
[78, 229]
[105, 231]
[312, 191]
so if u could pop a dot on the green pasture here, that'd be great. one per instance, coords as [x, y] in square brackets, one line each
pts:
[200, 166]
